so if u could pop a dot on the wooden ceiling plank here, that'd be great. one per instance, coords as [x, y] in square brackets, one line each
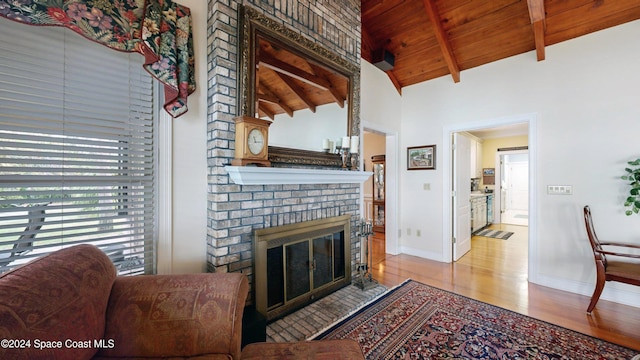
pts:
[538, 19]
[441, 36]
[479, 31]
[292, 71]
[564, 24]
[366, 45]
[266, 112]
[335, 93]
[268, 93]
[298, 91]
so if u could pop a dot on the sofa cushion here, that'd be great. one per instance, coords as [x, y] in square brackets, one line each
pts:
[57, 300]
[176, 315]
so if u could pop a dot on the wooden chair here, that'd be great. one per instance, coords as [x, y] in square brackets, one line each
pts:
[621, 267]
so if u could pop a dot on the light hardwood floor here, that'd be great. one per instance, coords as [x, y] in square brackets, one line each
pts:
[495, 272]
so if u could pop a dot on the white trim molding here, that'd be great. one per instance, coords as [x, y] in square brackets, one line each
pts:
[253, 175]
[164, 263]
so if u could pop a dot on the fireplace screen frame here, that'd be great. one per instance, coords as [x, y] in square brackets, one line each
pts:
[283, 236]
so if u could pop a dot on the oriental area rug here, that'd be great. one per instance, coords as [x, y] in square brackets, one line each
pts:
[417, 321]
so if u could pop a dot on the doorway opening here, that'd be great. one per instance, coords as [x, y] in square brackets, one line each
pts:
[498, 128]
[512, 198]
[378, 141]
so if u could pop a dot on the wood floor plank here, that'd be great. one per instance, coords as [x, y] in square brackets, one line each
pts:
[495, 272]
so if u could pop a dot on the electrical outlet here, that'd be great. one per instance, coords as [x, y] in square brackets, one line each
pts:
[409, 232]
[426, 186]
[559, 189]
[418, 233]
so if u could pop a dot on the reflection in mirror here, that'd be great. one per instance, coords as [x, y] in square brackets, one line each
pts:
[303, 97]
[304, 88]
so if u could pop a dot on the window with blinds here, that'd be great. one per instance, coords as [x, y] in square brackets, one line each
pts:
[77, 148]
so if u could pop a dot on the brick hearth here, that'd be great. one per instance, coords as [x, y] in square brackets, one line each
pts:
[316, 317]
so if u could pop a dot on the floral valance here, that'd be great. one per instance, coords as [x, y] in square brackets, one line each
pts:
[158, 29]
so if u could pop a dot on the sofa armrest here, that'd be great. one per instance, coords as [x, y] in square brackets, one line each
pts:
[175, 315]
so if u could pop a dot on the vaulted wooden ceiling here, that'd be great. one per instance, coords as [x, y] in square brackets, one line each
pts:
[434, 38]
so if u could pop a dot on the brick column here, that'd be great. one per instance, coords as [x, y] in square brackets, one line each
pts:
[234, 211]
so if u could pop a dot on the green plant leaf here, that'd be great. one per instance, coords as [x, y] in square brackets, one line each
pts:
[632, 174]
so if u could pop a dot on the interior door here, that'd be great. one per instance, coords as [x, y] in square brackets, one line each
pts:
[461, 195]
[518, 186]
[514, 189]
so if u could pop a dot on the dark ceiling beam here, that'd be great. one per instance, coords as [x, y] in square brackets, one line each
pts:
[443, 41]
[538, 20]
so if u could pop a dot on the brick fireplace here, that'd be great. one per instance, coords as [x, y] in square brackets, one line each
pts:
[235, 211]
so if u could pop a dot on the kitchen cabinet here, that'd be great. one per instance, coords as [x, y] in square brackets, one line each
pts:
[378, 192]
[478, 212]
[475, 158]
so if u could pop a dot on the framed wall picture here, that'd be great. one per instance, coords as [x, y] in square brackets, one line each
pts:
[489, 176]
[421, 157]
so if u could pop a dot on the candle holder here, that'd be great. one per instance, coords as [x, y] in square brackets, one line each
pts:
[354, 161]
[364, 279]
[344, 152]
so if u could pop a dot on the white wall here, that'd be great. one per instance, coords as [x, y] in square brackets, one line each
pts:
[189, 178]
[586, 97]
[380, 105]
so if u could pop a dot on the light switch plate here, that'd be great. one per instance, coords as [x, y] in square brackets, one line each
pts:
[559, 189]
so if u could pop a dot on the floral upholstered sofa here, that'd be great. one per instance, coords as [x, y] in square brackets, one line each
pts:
[71, 305]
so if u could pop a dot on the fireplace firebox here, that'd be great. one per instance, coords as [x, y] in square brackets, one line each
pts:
[298, 263]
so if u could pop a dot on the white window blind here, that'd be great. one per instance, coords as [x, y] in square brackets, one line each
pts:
[77, 149]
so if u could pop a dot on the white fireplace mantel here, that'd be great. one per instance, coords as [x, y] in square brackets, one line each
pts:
[253, 175]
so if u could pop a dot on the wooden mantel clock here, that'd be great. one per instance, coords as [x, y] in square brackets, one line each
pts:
[252, 148]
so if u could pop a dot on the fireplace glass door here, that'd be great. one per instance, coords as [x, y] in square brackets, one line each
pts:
[308, 265]
[297, 269]
[298, 263]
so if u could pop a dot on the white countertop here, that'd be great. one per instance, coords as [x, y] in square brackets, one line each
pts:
[480, 194]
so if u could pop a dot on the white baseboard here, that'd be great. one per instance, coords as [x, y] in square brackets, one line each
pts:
[615, 292]
[421, 253]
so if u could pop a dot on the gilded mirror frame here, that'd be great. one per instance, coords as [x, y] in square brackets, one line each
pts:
[253, 24]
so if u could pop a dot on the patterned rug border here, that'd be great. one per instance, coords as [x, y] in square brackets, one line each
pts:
[392, 290]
